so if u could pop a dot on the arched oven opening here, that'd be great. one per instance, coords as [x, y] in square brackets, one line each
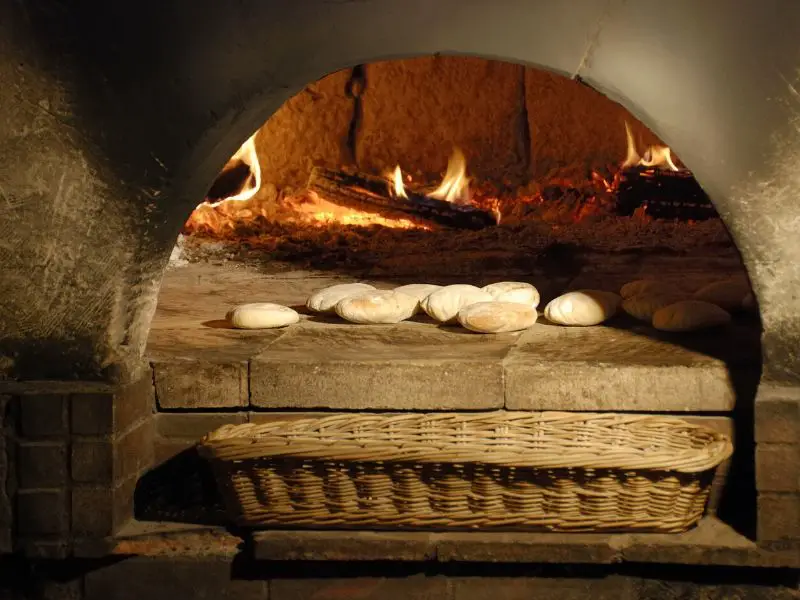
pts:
[451, 170]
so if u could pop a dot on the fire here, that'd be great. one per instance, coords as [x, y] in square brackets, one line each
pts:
[399, 188]
[654, 156]
[246, 154]
[561, 198]
[321, 211]
[455, 185]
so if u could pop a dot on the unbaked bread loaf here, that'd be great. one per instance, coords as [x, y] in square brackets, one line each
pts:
[728, 294]
[642, 286]
[443, 304]
[377, 306]
[513, 291]
[420, 291]
[497, 317]
[261, 315]
[582, 308]
[643, 306]
[690, 315]
[326, 299]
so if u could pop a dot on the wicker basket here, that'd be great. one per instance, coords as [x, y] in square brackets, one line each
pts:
[503, 470]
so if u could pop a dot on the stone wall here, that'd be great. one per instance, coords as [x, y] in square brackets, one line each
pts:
[513, 123]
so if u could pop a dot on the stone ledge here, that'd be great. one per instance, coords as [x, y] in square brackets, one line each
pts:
[710, 543]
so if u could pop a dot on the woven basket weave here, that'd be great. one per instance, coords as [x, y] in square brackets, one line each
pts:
[502, 470]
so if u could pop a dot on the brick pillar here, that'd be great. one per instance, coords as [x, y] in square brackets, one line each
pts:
[79, 455]
[777, 435]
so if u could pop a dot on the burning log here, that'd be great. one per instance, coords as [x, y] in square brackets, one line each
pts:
[373, 194]
[666, 194]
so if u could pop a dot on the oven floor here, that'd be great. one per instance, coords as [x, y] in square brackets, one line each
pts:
[324, 363]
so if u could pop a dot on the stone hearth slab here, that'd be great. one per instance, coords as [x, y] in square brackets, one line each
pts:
[631, 367]
[418, 365]
[409, 366]
[712, 542]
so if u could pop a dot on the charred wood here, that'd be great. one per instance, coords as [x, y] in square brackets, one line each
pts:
[665, 194]
[368, 193]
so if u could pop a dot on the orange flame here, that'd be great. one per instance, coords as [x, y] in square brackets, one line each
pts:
[654, 156]
[248, 155]
[399, 188]
[455, 185]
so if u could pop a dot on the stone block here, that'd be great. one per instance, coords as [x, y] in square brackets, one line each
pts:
[42, 465]
[106, 461]
[415, 111]
[42, 512]
[335, 546]
[100, 510]
[43, 415]
[778, 516]
[92, 461]
[549, 588]
[112, 412]
[195, 425]
[525, 547]
[777, 414]
[410, 366]
[170, 579]
[200, 384]
[309, 129]
[604, 368]
[778, 467]
[415, 587]
[575, 127]
[44, 549]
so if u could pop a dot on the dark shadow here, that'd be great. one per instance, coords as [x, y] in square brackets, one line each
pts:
[217, 324]
[180, 490]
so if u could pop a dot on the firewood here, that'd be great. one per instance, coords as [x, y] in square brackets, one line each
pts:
[373, 194]
[667, 194]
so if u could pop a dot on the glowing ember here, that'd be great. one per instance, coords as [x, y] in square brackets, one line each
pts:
[560, 199]
[654, 156]
[314, 208]
[455, 185]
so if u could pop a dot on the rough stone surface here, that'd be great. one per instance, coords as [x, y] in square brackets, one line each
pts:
[112, 412]
[620, 368]
[778, 516]
[417, 587]
[778, 467]
[137, 578]
[712, 542]
[417, 110]
[44, 415]
[550, 588]
[574, 127]
[100, 510]
[310, 129]
[777, 414]
[194, 384]
[194, 425]
[405, 366]
[107, 461]
[334, 546]
[42, 512]
[42, 465]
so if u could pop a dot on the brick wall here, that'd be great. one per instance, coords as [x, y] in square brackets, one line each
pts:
[513, 123]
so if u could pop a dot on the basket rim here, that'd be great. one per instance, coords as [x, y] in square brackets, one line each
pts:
[540, 440]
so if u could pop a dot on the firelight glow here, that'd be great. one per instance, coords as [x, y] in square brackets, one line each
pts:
[399, 188]
[248, 155]
[455, 185]
[654, 156]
